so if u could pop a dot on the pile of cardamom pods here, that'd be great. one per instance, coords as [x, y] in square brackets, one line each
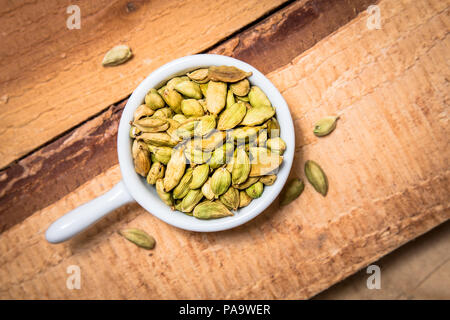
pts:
[208, 140]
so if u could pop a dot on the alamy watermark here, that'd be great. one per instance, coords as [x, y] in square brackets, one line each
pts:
[74, 279]
[74, 20]
[374, 19]
[374, 281]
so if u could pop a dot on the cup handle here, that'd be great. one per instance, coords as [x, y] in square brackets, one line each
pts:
[87, 214]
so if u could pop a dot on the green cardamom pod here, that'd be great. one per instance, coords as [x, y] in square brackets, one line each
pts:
[292, 191]
[244, 199]
[139, 238]
[268, 180]
[117, 55]
[166, 197]
[199, 177]
[325, 126]
[220, 181]
[190, 200]
[255, 191]
[153, 100]
[211, 210]
[230, 198]
[316, 177]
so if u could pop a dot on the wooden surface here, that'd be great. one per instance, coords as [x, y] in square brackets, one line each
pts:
[387, 163]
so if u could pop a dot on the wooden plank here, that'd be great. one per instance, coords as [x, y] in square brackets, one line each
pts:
[25, 189]
[387, 164]
[52, 78]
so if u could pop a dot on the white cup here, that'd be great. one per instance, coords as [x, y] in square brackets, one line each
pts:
[134, 187]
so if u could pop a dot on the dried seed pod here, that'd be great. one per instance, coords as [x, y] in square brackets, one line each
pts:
[205, 126]
[166, 197]
[316, 177]
[264, 162]
[189, 89]
[216, 96]
[199, 75]
[241, 167]
[232, 116]
[173, 99]
[211, 142]
[220, 181]
[206, 190]
[258, 98]
[230, 198]
[134, 132]
[174, 81]
[156, 172]
[220, 155]
[175, 169]
[250, 181]
[117, 55]
[262, 138]
[190, 200]
[204, 88]
[325, 126]
[243, 134]
[244, 199]
[161, 154]
[165, 113]
[276, 145]
[180, 118]
[139, 238]
[135, 148]
[153, 100]
[182, 188]
[268, 180]
[255, 190]
[257, 115]
[186, 129]
[227, 73]
[240, 88]
[200, 175]
[151, 124]
[142, 162]
[230, 99]
[161, 139]
[292, 191]
[192, 108]
[196, 156]
[273, 128]
[142, 111]
[211, 210]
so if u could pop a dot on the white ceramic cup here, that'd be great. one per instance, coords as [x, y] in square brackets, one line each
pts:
[134, 187]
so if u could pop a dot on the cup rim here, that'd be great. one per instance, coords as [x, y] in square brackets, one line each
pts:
[143, 193]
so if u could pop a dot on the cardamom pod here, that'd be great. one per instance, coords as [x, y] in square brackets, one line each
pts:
[211, 210]
[190, 200]
[175, 169]
[220, 155]
[325, 126]
[205, 126]
[240, 88]
[231, 116]
[258, 98]
[199, 75]
[255, 190]
[257, 115]
[117, 55]
[200, 175]
[204, 88]
[244, 199]
[186, 129]
[134, 132]
[161, 139]
[316, 177]
[182, 188]
[216, 96]
[142, 161]
[189, 89]
[264, 162]
[166, 197]
[153, 100]
[156, 172]
[165, 112]
[220, 181]
[276, 145]
[211, 142]
[142, 111]
[230, 198]
[192, 108]
[250, 181]
[139, 238]
[243, 99]
[227, 73]
[273, 128]
[161, 154]
[241, 167]
[150, 124]
[206, 190]
[292, 191]
[173, 99]
[268, 180]
[230, 99]
[180, 118]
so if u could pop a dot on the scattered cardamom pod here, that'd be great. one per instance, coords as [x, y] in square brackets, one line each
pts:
[139, 238]
[325, 126]
[292, 191]
[316, 177]
[117, 55]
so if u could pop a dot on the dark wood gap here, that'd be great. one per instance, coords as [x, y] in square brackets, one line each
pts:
[81, 153]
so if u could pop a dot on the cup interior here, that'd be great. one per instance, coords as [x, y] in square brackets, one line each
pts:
[146, 195]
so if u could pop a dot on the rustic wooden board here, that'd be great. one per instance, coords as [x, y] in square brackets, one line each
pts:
[88, 150]
[52, 78]
[387, 164]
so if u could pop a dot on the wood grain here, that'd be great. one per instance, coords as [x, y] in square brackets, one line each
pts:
[387, 164]
[88, 150]
[52, 78]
